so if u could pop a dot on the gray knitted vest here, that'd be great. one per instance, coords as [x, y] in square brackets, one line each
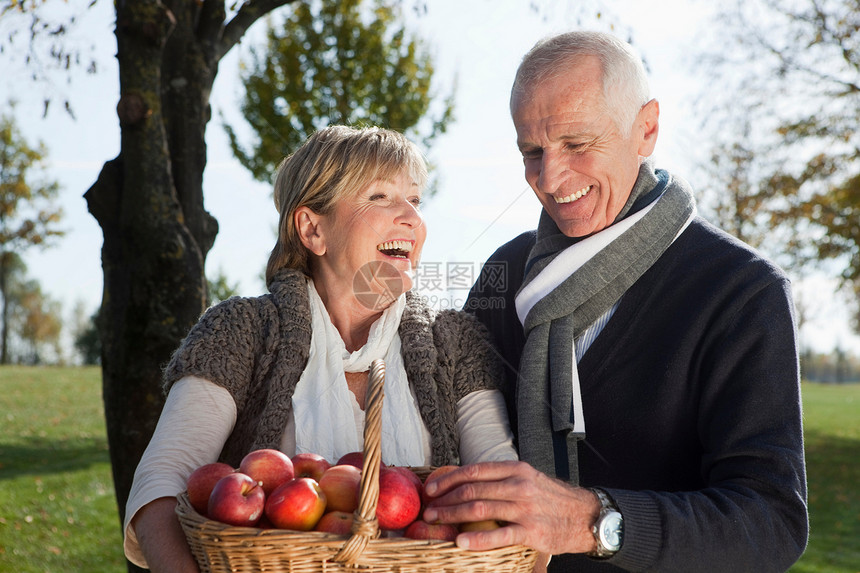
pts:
[257, 348]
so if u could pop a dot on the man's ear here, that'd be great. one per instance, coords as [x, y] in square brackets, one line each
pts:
[648, 121]
[309, 229]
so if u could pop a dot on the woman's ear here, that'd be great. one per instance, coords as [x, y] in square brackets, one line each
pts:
[309, 230]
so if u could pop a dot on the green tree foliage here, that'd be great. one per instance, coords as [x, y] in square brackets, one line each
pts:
[336, 62]
[732, 198]
[28, 213]
[38, 324]
[85, 332]
[220, 288]
[33, 319]
[792, 71]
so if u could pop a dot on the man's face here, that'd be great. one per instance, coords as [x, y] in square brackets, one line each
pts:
[578, 163]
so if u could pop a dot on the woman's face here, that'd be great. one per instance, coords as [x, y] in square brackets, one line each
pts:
[372, 240]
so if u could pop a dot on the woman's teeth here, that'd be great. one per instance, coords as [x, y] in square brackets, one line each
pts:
[399, 249]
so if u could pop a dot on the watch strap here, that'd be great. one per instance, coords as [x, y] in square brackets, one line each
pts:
[606, 506]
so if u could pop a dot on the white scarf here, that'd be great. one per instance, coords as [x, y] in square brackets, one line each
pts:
[569, 261]
[324, 408]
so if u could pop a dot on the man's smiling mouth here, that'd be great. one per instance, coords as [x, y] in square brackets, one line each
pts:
[574, 196]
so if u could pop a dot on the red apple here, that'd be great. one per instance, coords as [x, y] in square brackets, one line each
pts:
[201, 481]
[337, 522]
[420, 529]
[399, 502]
[237, 500]
[341, 485]
[271, 467]
[441, 470]
[352, 459]
[310, 465]
[298, 504]
[413, 477]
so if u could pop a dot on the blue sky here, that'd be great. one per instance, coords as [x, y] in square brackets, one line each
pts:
[483, 199]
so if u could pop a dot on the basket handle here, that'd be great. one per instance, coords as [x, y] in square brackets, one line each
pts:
[365, 526]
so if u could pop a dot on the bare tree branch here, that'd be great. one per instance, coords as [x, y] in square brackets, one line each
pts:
[247, 15]
[211, 18]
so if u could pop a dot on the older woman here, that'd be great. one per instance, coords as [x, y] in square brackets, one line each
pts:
[289, 369]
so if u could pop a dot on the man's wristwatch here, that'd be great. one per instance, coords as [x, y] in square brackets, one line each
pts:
[608, 530]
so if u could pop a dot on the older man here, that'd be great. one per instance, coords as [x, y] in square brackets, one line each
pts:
[652, 362]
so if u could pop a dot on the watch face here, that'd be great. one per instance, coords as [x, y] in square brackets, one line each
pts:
[610, 531]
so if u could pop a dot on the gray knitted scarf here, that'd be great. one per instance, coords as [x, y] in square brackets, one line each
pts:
[544, 387]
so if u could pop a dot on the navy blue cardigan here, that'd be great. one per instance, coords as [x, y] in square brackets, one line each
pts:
[691, 397]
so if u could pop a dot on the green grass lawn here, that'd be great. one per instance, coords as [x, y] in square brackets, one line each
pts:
[57, 507]
[831, 417]
[58, 514]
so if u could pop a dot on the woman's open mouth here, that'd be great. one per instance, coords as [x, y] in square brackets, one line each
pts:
[397, 249]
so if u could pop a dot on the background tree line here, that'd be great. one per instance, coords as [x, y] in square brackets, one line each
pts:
[782, 118]
[29, 320]
[837, 367]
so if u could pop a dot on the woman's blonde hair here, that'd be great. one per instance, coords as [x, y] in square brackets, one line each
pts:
[334, 163]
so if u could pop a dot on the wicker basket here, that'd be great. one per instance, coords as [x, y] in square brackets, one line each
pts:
[219, 548]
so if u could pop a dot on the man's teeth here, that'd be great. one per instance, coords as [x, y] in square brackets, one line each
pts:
[574, 196]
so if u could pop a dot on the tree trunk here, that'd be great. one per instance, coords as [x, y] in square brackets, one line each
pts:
[149, 204]
[153, 265]
[4, 292]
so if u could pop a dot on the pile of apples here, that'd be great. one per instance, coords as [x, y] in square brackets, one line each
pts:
[307, 493]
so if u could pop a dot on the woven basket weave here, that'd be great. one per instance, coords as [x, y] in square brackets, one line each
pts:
[219, 548]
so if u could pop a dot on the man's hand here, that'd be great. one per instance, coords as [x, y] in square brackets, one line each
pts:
[540, 512]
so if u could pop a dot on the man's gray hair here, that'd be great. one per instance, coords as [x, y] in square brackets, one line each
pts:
[625, 83]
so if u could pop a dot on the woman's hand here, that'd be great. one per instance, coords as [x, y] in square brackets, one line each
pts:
[161, 538]
[540, 512]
